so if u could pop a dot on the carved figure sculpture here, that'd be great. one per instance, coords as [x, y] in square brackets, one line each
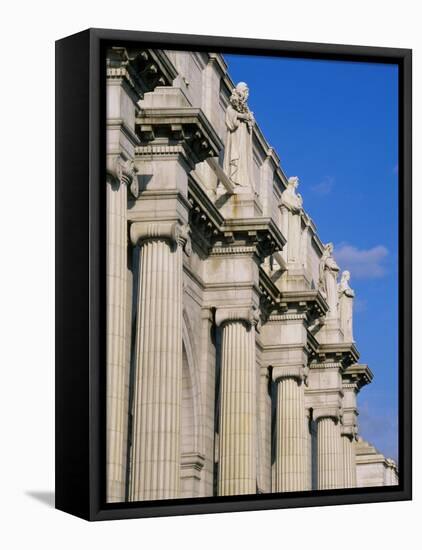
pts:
[238, 151]
[328, 272]
[291, 208]
[345, 299]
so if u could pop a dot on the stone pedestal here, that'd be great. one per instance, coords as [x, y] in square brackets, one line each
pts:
[158, 354]
[329, 450]
[291, 442]
[237, 426]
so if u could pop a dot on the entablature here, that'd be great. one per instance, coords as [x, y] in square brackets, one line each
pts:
[309, 300]
[142, 69]
[358, 375]
[162, 130]
[344, 353]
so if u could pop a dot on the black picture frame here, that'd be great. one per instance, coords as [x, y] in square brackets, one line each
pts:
[80, 274]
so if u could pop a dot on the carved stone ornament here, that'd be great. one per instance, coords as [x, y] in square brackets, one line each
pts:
[185, 239]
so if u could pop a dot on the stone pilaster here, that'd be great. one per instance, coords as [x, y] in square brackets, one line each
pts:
[329, 449]
[130, 73]
[264, 400]
[155, 472]
[353, 379]
[349, 460]
[291, 442]
[120, 174]
[237, 449]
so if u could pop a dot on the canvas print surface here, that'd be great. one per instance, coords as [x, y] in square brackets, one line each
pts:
[252, 224]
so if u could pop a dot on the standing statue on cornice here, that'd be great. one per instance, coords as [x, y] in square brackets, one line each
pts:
[238, 152]
[291, 206]
[328, 272]
[345, 300]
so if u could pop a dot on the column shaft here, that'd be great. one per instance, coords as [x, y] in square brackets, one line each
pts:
[349, 462]
[117, 366]
[237, 456]
[157, 391]
[264, 477]
[291, 443]
[330, 459]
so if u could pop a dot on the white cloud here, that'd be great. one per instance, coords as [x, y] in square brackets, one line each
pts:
[362, 264]
[359, 305]
[380, 430]
[324, 187]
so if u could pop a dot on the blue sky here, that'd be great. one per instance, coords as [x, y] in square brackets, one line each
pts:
[335, 125]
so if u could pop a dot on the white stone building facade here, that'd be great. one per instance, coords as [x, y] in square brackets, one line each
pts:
[231, 364]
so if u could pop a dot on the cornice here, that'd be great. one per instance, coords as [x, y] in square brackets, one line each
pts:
[124, 128]
[261, 231]
[142, 69]
[179, 126]
[219, 60]
[310, 300]
[270, 295]
[343, 352]
[199, 201]
[357, 375]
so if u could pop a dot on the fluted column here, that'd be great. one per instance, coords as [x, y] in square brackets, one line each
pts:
[264, 476]
[237, 449]
[158, 355]
[119, 175]
[329, 449]
[349, 461]
[291, 442]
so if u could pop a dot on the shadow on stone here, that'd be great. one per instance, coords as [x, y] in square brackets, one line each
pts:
[45, 497]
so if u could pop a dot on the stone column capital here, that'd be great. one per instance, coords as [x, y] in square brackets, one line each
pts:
[264, 373]
[327, 412]
[282, 372]
[122, 171]
[349, 431]
[173, 232]
[247, 314]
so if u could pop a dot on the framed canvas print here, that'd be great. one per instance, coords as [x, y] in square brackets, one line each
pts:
[233, 274]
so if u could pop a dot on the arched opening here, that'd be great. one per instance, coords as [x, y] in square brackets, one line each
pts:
[192, 459]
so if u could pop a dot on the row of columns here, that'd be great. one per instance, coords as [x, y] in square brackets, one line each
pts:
[155, 458]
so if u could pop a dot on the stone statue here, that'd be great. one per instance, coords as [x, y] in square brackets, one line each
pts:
[345, 300]
[291, 206]
[328, 272]
[238, 151]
